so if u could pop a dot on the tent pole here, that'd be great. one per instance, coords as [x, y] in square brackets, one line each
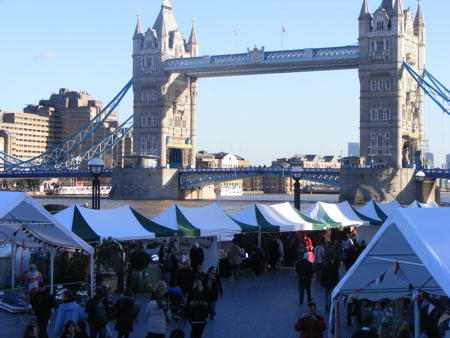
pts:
[416, 319]
[91, 280]
[259, 235]
[331, 320]
[219, 244]
[52, 270]
[13, 264]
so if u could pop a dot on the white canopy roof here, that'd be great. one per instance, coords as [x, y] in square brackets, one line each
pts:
[416, 204]
[25, 222]
[210, 220]
[119, 223]
[379, 211]
[415, 238]
[282, 215]
[335, 214]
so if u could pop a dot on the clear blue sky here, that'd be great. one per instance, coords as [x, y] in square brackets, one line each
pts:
[86, 45]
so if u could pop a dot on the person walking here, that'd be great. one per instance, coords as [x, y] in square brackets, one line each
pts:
[305, 272]
[97, 314]
[68, 310]
[319, 252]
[42, 304]
[124, 312]
[196, 256]
[185, 276]
[158, 312]
[197, 309]
[236, 254]
[213, 290]
[70, 330]
[311, 324]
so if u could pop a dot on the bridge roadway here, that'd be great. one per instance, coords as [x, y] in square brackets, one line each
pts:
[189, 178]
[258, 61]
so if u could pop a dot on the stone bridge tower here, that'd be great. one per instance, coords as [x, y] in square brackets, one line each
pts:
[391, 111]
[164, 103]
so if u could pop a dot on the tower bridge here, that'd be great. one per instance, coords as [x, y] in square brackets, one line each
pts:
[167, 69]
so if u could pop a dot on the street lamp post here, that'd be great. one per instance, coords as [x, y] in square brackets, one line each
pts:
[419, 177]
[96, 166]
[297, 174]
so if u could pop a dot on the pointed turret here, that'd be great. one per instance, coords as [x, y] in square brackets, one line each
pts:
[165, 22]
[398, 8]
[418, 20]
[193, 41]
[138, 31]
[365, 13]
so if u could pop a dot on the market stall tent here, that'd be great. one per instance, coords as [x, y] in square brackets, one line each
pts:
[206, 221]
[281, 217]
[24, 222]
[416, 204]
[122, 223]
[379, 211]
[409, 252]
[335, 214]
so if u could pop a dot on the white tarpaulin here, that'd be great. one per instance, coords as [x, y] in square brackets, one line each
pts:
[94, 225]
[416, 204]
[335, 214]
[418, 240]
[206, 221]
[25, 222]
[379, 211]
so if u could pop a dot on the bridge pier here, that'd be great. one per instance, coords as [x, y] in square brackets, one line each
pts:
[360, 185]
[153, 184]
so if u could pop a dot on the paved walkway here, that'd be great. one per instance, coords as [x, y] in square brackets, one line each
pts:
[253, 307]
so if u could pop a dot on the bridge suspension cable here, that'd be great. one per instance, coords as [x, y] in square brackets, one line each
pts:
[432, 88]
[63, 155]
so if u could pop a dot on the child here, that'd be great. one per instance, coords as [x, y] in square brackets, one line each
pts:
[81, 330]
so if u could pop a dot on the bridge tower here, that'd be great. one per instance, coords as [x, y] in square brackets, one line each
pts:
[391, 102]
[164, 103]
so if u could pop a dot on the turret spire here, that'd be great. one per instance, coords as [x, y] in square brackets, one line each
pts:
[387, 4]
[365, 13]
[418, 20]
[398, 8]
[193, 41]
[165, 23]
[138, 30]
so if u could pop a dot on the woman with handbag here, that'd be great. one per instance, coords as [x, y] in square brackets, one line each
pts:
[197, 309]
[158, 312]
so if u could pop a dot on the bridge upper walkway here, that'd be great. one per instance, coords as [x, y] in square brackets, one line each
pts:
[258, 61]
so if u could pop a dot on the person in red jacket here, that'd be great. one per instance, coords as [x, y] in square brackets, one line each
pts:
[311, 324]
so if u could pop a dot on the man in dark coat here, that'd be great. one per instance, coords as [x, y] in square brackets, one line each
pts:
[305, 271]
[311, 324]
[196, 256]
[42, 303]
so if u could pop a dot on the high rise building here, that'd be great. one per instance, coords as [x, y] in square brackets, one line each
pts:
[41, 127]
[353, 149]
[429, 160]
[391, 104]
[164, 103]
[447, 161]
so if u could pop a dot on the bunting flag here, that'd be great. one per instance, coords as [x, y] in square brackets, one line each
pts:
[234, 32]
[431, 307]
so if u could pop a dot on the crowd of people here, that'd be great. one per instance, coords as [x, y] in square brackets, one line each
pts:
[188, 294]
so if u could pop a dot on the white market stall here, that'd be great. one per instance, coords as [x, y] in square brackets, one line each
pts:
[416, 204]
[25, 223]
[335, 214]
[122, 224]
[407, 256]
[379, 211]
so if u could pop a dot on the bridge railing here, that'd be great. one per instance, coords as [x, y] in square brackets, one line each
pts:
[268, 57]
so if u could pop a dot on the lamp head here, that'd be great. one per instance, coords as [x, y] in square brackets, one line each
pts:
[96, 166]
[297, 172]
[419, 176]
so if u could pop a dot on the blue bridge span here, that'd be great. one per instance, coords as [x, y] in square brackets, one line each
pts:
[191, 178]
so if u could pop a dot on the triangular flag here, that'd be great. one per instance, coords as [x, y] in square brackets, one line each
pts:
[431, 308]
